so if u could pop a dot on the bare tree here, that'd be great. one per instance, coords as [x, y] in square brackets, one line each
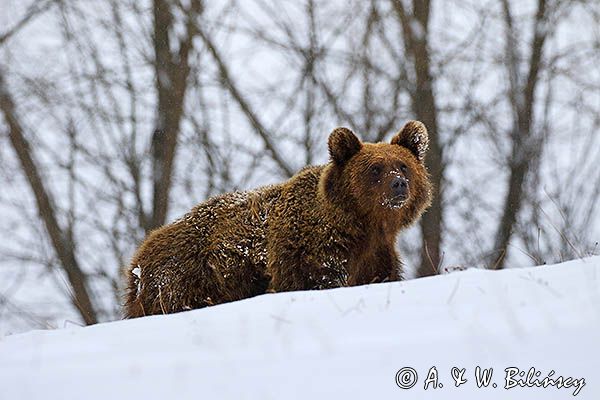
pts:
[62, 242]
[531, 129]
[172, 70]
[522, 99]
[415, 28]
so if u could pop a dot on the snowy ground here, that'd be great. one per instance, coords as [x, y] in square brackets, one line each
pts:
[342, 343]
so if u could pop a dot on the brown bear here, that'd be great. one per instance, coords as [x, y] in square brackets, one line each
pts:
[328, 226]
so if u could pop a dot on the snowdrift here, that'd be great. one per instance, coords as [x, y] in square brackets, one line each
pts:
[376, 341]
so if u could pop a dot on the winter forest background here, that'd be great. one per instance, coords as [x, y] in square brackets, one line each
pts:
[117, 116]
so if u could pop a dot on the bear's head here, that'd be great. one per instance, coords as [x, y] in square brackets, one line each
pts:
[381, 181]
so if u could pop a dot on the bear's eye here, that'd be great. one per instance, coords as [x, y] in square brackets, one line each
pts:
[375, 170]
[404, 168]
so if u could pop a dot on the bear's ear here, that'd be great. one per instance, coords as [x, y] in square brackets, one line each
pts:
[414, 137]
[343, 144]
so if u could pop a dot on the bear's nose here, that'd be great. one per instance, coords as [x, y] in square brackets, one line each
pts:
[399, 186]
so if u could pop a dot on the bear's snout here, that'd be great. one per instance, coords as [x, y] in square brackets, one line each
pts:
[399, 186]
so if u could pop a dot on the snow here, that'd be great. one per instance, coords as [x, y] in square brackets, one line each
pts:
[137, 271]
[417, 29]
[344, 343]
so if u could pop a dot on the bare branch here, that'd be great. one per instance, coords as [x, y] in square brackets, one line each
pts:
[245, 106]
[64, 248]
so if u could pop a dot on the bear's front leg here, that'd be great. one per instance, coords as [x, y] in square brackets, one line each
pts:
[297, 271]
[376, 265]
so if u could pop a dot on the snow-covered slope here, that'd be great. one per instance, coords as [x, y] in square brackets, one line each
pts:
[343, 343]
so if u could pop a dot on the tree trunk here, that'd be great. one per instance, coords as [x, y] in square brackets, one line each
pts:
[523, 150]
[62, 244]
[172, 70]
[415, 30]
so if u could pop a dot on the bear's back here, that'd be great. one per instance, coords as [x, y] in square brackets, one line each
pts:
[213, 254]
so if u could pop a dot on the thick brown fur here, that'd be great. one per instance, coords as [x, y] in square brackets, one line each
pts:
[328, 226]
